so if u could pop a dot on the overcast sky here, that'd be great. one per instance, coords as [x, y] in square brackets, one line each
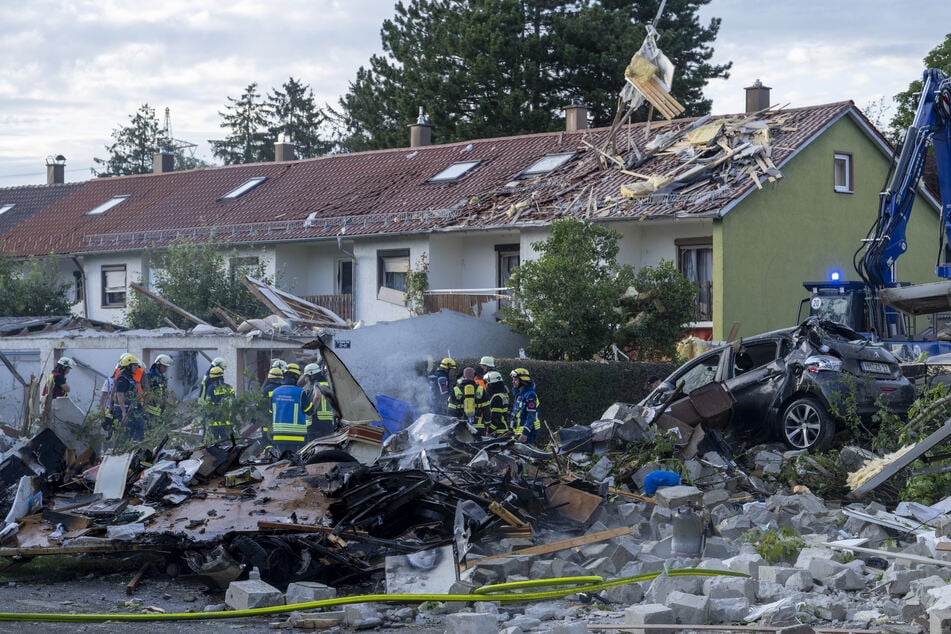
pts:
[71, 71]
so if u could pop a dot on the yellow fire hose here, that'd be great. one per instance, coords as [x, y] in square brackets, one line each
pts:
[497, 592]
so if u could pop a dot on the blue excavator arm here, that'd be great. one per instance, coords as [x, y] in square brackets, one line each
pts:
[886, 239]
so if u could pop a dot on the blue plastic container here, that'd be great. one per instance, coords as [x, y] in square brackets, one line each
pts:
[397, 415]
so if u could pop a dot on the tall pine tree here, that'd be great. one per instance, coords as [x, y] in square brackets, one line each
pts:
[134, 146]
[248, 121]
[485, 68]
[294, 112]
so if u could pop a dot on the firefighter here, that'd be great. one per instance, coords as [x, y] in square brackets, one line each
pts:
[156, 398]
[291, 374]
[468, 400]
[275, 379]
[525, 421]
[129, 397]
[497, 421]
[289, 407]
[323, 415]
[217, 362]
[218, 425]
[56, 385]
[441, 381]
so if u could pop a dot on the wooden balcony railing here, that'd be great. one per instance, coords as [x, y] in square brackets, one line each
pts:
[342, 305]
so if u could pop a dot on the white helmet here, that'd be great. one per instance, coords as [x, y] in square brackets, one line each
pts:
[493, 377]
[66, 362]
[279, 363]
[312, 369]
[219, 362]
[163, 359]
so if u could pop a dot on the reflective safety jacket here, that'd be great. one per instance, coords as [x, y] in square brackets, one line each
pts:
[497, 422]
[323, 415]
[440, 389]
[216, 390]
[525, 418]
[289, 409]
[158, 391]
[468, 402]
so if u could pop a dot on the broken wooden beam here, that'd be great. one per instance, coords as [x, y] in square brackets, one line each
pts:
[554, 547]
[167, 304]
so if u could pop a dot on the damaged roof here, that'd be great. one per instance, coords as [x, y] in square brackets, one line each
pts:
[389, 191]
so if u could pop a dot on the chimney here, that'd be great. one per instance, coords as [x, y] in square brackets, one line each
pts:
[163, 162]
[576, 116]
[421, 133]
[55, 169]
[757, 97]
[284, 150]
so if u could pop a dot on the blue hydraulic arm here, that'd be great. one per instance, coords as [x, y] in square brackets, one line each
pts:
[887, 239]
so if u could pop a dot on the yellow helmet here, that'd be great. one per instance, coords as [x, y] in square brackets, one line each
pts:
[275, 373]
[129, 359]
[293, 368]
[521, 374]
[216, 372]
[447, 364]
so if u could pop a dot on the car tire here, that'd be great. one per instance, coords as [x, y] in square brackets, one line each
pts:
[806, 424]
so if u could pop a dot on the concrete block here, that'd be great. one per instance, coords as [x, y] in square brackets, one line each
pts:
[799, 581]
[728, 610]
[730, 588]
[252, 593]
[866, 618]
[663, 585]
[659, 548]
[649, 614]
[358, 615]
[733, 526]
[691, 609]
[921, 587]
[769, 591]
[306, 591]
[545, 611]
[674, 497]
[632, 512]
[796, 629]
[471, 623]
[523, 623]
[939, 621]
[827, 608]
[846, 579]
[643, 472]
[506, 566]
[911, 609]
[626, 594]
[602, 566]
[747, 563]
[714, 496]
[718, 548]
[776, 574]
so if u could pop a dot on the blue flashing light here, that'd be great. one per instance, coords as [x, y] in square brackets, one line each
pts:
[835, 276]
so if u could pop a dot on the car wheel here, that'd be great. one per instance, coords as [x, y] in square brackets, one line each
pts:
[807, 425]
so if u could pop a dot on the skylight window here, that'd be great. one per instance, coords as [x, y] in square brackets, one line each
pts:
[544, 165]
[454, 172]
[244, 188]
[5, 208]
[109, 204]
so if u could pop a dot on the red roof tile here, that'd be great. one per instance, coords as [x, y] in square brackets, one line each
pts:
[383, 192]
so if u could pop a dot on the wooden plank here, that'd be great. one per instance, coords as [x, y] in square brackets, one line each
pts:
[167, 304]
[554, 547]
[931, 561]
[904, 460]
[631, 496]
[12, 369]
[136, 578]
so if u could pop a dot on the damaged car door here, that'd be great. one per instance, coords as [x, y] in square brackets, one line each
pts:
[755, 379]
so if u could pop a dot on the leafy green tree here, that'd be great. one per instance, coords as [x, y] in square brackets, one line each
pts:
[907, 101]
[487, 68]
[134, 146]
[197, 278]
[565, 300]
[655, 312]
[248, 121]
[294, 112]
[32, 288]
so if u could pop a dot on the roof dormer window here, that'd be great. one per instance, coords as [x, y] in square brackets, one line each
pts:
[109, 204]
[244, 188]
[454, 172]
[5, 208]
[544, 165]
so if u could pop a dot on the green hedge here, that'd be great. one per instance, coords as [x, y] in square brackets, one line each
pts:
[578, 392]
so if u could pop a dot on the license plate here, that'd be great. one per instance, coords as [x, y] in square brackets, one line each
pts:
[875, 367]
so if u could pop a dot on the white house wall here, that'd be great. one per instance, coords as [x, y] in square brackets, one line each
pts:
[367, 308]
[93, 268]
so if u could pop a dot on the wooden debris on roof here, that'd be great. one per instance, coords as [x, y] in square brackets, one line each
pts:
[292, 307]
[725, 152]
[645, 76]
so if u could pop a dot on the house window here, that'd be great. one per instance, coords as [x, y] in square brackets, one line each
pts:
[5, 208]
[113, 286]
[109, 204]
[842, 172]
[508, 260]
[544, 165]
[344, 277]
[695, 261]
[392, 269]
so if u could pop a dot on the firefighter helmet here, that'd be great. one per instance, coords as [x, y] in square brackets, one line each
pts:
[66, 362]
[312, 369]
[219, 362]
[163, 359]
[279, 363]
[216, 372]
[292, 368]
[447, 364]
[521, 374]
[493, 377]
[129, 359]
[275, 373]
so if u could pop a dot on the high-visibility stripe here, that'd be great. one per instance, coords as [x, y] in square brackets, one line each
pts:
[291, 438]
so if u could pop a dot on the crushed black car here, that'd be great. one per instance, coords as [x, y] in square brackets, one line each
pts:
[797, 384]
